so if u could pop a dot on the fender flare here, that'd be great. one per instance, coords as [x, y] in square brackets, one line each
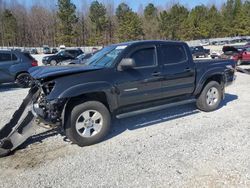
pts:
[87, 88]
[206, 76]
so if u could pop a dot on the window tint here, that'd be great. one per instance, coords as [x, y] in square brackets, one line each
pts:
[144, 57]
[5, 57]
[73, 53]
[171, 54]
[28, 56]
[14, 57]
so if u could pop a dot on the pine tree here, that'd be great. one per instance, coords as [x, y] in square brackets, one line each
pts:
[67, 19]
[9, 27]
[122, 10]
[150, 22]
[130, 25]
[98, 17]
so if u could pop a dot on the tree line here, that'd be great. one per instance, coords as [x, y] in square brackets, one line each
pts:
[102, 23]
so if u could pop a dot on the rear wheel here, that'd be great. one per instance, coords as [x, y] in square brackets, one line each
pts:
[24, 80]
[53, 62]
[210, 97]
[88, 123]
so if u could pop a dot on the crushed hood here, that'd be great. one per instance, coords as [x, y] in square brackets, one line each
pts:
[54, 71]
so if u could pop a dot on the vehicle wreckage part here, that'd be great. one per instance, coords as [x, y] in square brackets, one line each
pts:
[239, 69]
[20, 127]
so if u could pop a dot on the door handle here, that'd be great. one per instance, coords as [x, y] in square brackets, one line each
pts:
[156, 74]
[188, 69]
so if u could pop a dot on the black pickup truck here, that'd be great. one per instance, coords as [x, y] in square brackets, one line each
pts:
[124, 80]
[198, 51]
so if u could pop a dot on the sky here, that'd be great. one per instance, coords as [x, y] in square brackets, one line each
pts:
[135, 4]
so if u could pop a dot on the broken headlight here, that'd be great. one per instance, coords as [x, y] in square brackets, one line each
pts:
[48, 87]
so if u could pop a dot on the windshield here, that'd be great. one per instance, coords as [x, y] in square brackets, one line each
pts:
[106, 56]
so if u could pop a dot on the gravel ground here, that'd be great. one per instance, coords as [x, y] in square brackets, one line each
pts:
[177, 147]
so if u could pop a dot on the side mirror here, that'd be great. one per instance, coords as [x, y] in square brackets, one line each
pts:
[126, 63]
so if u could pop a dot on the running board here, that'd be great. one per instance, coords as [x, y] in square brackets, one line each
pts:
[156, 108]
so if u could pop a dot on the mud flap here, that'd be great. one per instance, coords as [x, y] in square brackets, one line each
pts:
[20, 127]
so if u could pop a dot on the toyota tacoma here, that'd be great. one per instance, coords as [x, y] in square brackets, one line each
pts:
[119, 81]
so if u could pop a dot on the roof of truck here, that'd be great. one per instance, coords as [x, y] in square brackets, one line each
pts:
[149, 42]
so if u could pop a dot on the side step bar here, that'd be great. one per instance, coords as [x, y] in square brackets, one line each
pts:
[156, 108]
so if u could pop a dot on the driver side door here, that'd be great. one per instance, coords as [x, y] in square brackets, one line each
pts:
[143, 82]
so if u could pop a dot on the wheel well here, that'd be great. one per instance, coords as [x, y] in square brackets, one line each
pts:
[19, 74]
[95, 96]
[218, 78]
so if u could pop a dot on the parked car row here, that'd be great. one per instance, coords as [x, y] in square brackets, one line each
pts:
[47, 50]
[226, 41]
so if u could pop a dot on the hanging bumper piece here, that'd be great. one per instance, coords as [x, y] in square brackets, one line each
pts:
[21, 126]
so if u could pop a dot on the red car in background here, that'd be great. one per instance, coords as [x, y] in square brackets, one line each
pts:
[244, 56]
[240, 54]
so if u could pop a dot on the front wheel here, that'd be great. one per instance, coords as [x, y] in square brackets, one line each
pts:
[210, 97]
[88, 123]
[24, 80]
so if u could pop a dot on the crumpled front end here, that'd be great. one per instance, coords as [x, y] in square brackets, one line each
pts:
[35, 108]
[48, 111]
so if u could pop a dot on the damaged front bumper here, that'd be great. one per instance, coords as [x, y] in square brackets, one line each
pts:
[34, 108]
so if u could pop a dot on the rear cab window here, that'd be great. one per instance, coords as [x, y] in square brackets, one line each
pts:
[170, 54]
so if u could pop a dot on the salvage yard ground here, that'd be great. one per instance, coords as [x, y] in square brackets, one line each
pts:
[177, 147]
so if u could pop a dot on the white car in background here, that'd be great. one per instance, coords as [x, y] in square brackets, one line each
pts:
[215, 54]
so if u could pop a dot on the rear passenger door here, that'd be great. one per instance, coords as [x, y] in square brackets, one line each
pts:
[73, 53]
[7, 60]
[177, 71]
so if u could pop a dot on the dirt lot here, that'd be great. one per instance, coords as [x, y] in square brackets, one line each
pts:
[177, 147]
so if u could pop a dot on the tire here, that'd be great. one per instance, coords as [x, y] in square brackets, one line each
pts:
[53, 62]
[210, 97]
[24, 80]
[85, 133]
[239, 62]
[4, 152]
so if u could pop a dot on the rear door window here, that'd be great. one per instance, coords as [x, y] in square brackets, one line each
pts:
[5, 57]
[73, 53]
[14, 57]
[172, 54]
[144, 57]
